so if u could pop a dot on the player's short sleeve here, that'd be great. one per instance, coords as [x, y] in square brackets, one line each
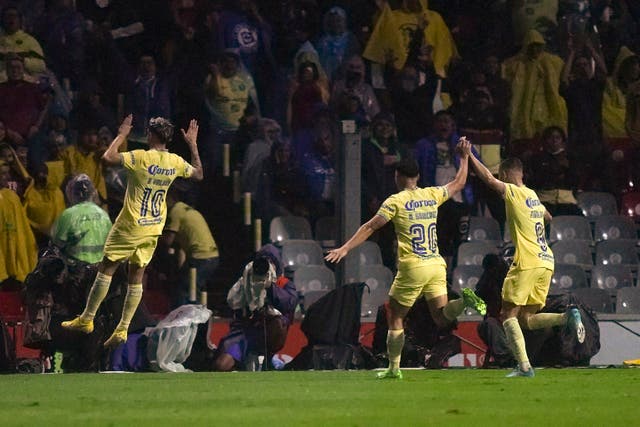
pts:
[509, 192]
[184, 168]
[132, 159]
[388, 209]
[441, 194]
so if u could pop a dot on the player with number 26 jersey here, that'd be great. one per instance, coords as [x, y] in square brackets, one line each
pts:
[414, 214]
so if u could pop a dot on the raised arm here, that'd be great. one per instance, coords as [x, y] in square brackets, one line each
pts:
[191, 136]
[112, 157]
[362, 234]
[485, 175]
[460, 179]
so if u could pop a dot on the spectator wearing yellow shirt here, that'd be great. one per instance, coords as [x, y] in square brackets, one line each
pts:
[228, 90]
[43, 203]
[14, 40]
[187, 228]
[85, 158]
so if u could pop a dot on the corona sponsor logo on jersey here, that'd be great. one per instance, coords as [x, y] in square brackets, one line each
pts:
[157, 170]
[412, 205]
[532, 203]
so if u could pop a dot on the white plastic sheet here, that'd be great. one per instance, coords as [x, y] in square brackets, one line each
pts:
[170, 341]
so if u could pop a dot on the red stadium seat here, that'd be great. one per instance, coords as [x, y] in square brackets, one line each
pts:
[11, 307]
[157, 301]
[631, 205]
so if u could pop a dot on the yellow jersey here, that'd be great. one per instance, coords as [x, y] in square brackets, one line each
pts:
[149, 175]
[192, 232]
[525, 216]
[414, 214]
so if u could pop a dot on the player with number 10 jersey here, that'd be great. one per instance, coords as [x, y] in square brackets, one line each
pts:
[141, 220]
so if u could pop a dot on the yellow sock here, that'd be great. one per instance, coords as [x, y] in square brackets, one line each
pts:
[516, 342]
[453, 309]
[395, 342]
[545, 320]
[131, 301]
[96, 295]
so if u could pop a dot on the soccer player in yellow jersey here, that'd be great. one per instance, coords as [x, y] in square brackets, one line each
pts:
[526, 285]
[135, 232]
[421, 270]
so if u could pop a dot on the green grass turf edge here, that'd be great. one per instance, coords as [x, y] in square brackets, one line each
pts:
[456, 397]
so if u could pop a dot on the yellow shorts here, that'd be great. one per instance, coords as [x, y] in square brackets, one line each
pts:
[138, 250]
[429, 281]
[527, 287]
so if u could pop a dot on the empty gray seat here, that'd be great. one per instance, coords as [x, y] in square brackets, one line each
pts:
[628, 301]
[595, 204]
[611, 277]
[484, 229]
[614, 252]
[569, 227]
[612, 227]
[466, 276]
[472, 253]
[309, 278]
[566, 278]
[598, 299]
[378, 279]
[368, 253]
[301, 252]
[291, 227]
[576, 252]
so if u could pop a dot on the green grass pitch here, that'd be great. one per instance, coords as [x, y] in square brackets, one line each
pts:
[456, 397]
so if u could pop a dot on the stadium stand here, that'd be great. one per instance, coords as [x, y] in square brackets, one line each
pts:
[472, 253]
[628, 301]
[291, 227]
[612, 252]
[296, 253]
[611, 277]
[596, 203]
[368, 253]
[484, 229]
[575, 252]
[611, 227]
[378, 279]
[566, 278]
[569, 227]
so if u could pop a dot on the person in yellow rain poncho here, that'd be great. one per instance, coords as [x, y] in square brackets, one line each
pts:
[614, 103]
[85, 158]
[534, 77]
[43, 203]
[18, 251]
[393, 31]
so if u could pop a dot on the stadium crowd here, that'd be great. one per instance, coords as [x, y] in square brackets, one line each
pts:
[555, 83]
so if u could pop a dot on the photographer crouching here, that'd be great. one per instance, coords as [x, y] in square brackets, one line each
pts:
[264, 303]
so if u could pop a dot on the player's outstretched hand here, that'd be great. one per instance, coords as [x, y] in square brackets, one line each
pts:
[191, 135]
[125, 126]
[335, 255]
